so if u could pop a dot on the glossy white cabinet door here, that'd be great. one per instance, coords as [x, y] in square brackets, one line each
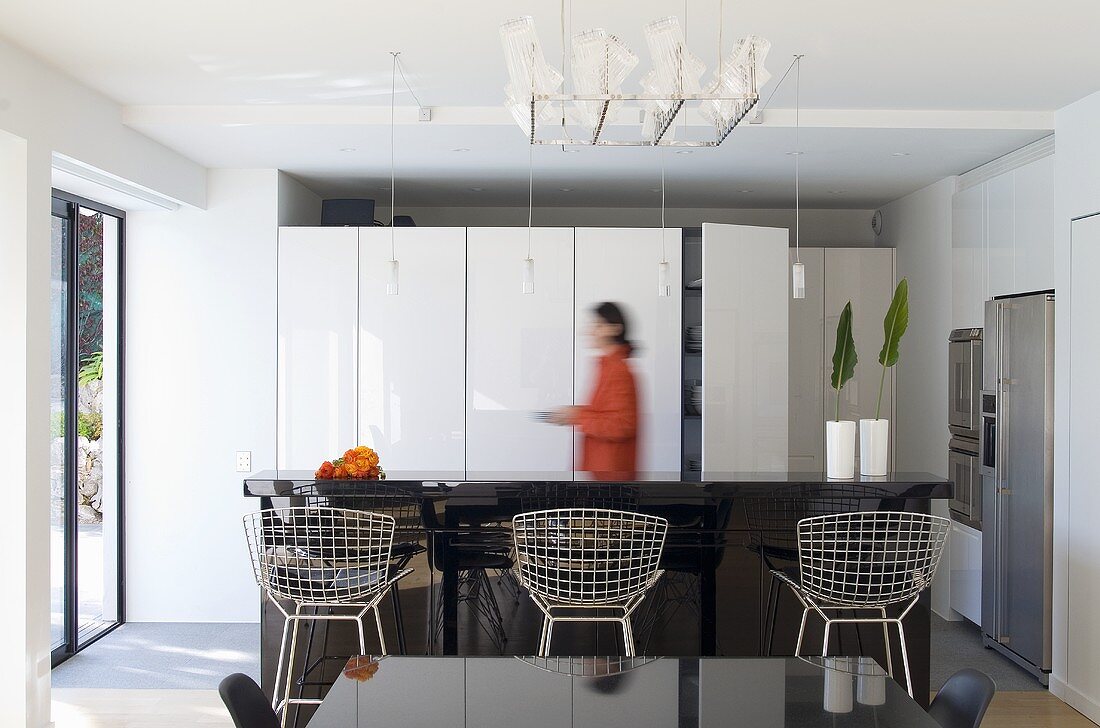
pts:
[968, 289]
[412, 349]
[519, 353]
[806, 364]
[621, 265]
[866, 278]
[745, 310]
[1035, 226]
[316, 390]
[1083, 479]
[966, 571]
[1000, 234]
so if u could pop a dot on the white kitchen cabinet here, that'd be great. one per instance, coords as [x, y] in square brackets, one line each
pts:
[1034, 220]
[745, 349]
[1082, 481]
[806, 368]
[866, 278]
[412, 361]
[1000, 235]
[316, 376]
[968, 279]
[621, 265]
[519, 353]
[966, 571]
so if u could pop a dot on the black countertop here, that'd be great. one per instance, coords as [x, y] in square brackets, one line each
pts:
[276, 483]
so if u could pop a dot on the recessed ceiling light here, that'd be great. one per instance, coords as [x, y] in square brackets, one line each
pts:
[347, 149]
[795, 154]
[655, 189]
[566, 189]
[744, 190]
[836, 192]
[460, 149]
[900, 154]
[477, 189]
[684, 151]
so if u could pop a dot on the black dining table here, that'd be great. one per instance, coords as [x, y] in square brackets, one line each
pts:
[607, 692]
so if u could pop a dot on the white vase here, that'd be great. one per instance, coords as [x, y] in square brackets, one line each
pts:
[838, 683]
[874, 446]
[840, 449]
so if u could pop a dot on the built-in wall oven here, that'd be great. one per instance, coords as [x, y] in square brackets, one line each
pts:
[964, 422]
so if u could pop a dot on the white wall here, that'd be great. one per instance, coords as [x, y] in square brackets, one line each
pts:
[200, 365]
[43, 112]
[1076, 619]
[298, 205]
[849, 228]
[919, 226]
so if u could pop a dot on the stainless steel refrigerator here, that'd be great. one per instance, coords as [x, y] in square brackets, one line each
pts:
[1017, 467]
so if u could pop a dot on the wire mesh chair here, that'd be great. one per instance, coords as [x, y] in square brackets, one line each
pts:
[403, 506]
[588, 560]
[866, 561]
[320, 558]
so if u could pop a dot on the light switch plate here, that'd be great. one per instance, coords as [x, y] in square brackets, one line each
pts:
[244, 461]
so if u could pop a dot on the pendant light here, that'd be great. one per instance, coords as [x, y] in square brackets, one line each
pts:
[529, 262]
[664, 270]
[392, 284]
[798, 269]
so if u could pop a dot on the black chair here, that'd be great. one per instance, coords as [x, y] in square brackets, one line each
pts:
[247, 704]
[963, 699]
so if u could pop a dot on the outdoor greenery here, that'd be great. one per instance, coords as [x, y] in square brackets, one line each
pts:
[89, 425]
[91, 369]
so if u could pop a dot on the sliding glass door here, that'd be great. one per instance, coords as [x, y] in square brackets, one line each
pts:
[86, 412]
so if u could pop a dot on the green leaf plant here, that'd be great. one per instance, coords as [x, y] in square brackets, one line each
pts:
[894, 326]
[844, 357]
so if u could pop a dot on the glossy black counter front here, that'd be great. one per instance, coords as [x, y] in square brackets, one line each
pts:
[726, 533]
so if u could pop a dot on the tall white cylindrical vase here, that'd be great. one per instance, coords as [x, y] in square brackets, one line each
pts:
[874, 446]
[840, 449]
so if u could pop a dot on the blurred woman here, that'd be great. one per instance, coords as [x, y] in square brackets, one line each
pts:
[609, 422]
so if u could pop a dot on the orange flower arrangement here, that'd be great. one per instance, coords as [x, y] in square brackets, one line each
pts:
[358, 463]
[361, 668]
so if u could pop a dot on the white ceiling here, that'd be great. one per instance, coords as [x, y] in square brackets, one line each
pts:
[271, 85]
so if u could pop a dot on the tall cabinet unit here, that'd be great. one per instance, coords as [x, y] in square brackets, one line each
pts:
[834, 276]
[519, 353]
[621, 265]
[806, 368]
[412, 349]
[316, 356]
[864, 276]
[745, 345]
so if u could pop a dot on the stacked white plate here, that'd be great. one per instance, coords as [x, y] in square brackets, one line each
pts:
[693, 339]
[693, 397]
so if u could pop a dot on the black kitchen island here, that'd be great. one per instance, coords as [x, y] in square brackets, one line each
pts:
[726, 533]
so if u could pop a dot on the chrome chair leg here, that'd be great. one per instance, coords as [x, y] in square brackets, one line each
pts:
[381, 636]
[801, 632]
[825, 641]
[886, 642]
[628, 636]
[290, 670]
[905, 658]
[279, 669]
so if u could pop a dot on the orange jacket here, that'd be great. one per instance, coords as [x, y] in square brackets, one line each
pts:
[609, 422]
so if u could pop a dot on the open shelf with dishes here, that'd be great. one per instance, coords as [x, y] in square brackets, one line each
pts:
[692, 368]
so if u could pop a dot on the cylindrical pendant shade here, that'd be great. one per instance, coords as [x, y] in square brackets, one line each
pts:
[664, 279]
[528, 275]
[392, 283]
[798, 280]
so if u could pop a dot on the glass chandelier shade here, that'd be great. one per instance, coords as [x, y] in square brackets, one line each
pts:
[741, 72]
[601, 62]
[528, 73]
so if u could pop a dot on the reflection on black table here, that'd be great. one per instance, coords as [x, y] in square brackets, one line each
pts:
[613, 692]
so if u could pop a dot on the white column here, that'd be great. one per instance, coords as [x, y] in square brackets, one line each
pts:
[24, 446]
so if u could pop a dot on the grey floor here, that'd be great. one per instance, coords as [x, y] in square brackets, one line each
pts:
[198, 656]
[956, 645]
[165, 656]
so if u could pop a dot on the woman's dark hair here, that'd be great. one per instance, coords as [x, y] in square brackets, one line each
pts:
[611, 313]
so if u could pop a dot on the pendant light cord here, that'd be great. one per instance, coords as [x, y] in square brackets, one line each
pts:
[393, 191]
[530, 193]
[664, 252]
[797, 156]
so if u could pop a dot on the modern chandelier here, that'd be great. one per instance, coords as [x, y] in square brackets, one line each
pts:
[599, 66]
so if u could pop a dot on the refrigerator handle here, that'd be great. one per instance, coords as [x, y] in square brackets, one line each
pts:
[1000, 488]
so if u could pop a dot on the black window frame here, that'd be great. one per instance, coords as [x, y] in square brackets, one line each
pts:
[68, 206]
